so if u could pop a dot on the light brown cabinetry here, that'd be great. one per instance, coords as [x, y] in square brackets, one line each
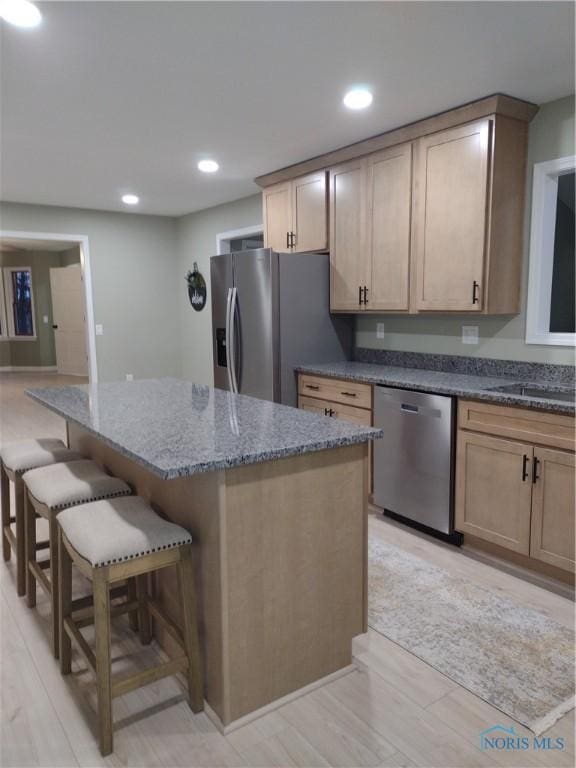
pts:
[295, 214]
[468, 217]
[339, 399]
[512, 488]
[348, 259]
[370, 201]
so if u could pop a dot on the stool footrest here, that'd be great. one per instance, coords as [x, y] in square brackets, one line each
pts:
[42, 545]
[10, 535]
[173, 630]
[168, 668]
[85, 602]
[37, 570]
[75, 635]
[85, 617]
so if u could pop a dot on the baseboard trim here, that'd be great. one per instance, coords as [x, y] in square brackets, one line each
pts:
[28, 369]
[251, 716]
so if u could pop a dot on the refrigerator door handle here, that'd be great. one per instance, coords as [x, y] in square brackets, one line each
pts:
[228, 340]
[231, 346]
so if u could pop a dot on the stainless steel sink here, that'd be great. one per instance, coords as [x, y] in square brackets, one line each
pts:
[533, 390]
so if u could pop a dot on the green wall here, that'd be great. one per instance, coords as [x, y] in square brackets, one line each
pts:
[197, 242]
[134, 283]
[41, 352]
[551, 135]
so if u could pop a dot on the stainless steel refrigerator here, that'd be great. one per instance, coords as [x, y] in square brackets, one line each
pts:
[270, 313]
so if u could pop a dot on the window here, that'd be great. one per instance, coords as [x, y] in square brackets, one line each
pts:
[243, 239]
[17, 304]
[551, 287]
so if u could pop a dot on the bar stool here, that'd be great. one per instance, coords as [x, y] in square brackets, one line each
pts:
[15, 459]
[113, 540]
[47, 491]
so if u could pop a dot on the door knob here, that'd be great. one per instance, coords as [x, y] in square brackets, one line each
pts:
[54, 326]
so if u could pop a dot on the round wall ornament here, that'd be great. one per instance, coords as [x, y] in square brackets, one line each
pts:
[196, 289]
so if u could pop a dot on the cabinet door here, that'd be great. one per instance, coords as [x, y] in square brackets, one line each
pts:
[494, 490]
[310, 212]
[388, 227]
[277, 216]
[451, 193]
[552, 536]
[348, 257]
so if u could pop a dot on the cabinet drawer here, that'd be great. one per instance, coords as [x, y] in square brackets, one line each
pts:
[537, 427]
[339, 410]
[336, 390]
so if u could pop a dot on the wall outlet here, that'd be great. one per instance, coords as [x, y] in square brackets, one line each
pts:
[129, 377]
[99, 329]
[470, 334]
[45, 319]
[379, 330]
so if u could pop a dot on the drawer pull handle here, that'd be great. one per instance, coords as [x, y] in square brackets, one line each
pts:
[315, 387]
[329, 412]
[535, 475]
[349, 394]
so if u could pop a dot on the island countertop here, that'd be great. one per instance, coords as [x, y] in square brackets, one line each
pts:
[175, 428]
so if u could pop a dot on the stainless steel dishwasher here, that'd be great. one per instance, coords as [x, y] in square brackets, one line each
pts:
[414, 461]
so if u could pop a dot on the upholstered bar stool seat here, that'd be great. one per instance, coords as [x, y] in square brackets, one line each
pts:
[15, 459]
[113, 540]
[48, 490]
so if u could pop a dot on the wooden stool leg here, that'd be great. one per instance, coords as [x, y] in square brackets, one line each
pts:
[190, 627]
[103, 660]
[20, 536]
[65, 600]
[143, 612]
[54, 569]
[5, 502]
[133, 615]
[30, 528]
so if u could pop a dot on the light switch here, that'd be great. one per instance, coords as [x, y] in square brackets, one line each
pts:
[379, 330]
[469, 334]
[99, 329]
[129, 377]
[45, 319]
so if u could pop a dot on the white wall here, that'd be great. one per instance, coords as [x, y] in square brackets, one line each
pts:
[551, 135]
[197, 242]
[134, 280]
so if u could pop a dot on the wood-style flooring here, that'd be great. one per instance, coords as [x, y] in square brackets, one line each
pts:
[393, 710]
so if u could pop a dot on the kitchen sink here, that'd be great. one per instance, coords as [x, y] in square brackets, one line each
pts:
[533, 390]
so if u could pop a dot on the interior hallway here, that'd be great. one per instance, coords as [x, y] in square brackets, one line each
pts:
[394, 710]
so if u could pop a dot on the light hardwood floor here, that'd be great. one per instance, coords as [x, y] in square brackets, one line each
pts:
[394, 710]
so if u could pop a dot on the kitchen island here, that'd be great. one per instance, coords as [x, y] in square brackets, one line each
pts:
[276, 500]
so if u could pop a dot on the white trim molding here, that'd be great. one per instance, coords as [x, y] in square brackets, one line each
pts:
[82, 241]
[28, 369]
[232, 234]
[542, 230]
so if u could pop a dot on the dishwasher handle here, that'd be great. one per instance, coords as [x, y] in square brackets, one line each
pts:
[409, 408]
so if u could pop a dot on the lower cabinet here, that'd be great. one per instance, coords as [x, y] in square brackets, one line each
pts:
[494, 490]
[517, 494]
[553, 503]
[331, 397]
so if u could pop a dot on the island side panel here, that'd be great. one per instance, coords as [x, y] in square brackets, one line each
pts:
[195, 503]
[294, 573]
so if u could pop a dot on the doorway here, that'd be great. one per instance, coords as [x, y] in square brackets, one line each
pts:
[46, 310]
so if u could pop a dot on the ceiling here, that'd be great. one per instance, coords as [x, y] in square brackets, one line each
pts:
[107, 98]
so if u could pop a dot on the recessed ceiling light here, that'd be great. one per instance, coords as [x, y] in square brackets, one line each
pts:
[357, 98]
[130, 199]
[208, 166]
[21, 13]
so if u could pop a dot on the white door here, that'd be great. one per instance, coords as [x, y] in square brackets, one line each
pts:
[69, 320]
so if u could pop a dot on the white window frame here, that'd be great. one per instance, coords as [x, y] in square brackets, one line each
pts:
[223, 238]
[543, 226]
[3, 315]
[8, 302]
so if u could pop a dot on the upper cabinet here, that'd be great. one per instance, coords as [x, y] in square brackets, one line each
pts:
[295, 214]
[450, 218]
[425, 218]
[388, 206]
[348, 262]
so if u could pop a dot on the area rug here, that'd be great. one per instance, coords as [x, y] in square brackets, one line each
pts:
[513, 657]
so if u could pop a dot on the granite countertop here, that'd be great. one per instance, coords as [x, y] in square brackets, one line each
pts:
[474, 387]
[175, 428]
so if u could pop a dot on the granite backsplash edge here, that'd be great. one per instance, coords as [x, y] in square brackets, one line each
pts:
[474, 366]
